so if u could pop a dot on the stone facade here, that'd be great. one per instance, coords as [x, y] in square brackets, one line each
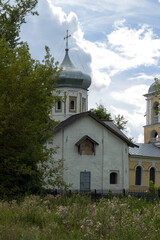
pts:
[106, 166]
[75, 100]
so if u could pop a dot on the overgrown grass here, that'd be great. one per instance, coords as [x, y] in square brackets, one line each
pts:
[80, 218]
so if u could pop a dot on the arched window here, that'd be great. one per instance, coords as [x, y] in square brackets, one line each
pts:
[152, 174]
[155, 112]
[72, 104]
[113, 178]
[154, 136]
[138, 175]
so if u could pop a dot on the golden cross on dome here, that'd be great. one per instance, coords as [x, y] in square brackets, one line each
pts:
[66, 38]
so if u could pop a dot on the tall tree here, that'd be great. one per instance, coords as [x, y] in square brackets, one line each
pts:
[26, 99]
[12, 16]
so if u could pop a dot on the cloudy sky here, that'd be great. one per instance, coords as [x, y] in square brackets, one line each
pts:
[116, 42]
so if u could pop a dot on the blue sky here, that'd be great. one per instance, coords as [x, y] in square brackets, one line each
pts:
[116, 42]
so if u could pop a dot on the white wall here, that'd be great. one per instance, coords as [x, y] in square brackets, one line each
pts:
[65, 93]
[111, 155]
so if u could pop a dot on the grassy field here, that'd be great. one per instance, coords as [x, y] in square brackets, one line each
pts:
[80, 218]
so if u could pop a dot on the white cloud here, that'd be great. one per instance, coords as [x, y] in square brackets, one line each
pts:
[108, 5]
[135, 46]
[143, 76]
[100, 78]
[140, 138]
[135, 116]
[132, 96]
[125, 48]
[119, 48]
[99, 62]
[57, 11]
[135, 119]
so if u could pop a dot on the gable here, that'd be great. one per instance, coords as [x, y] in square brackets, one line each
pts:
[107, 125]
[86, 145]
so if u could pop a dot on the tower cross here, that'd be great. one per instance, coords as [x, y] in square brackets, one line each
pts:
[66, 38]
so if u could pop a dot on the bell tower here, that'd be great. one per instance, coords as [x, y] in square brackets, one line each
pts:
[152, 127]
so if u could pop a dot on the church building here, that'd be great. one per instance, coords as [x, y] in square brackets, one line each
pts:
[95, 152]
[144, 162]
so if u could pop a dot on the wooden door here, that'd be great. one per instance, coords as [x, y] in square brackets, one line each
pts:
[85, 181]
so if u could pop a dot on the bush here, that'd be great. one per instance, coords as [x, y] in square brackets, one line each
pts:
[79, 218]
[153, 191]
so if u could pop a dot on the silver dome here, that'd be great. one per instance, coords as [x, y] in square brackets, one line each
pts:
[70, 76]
[152, 88]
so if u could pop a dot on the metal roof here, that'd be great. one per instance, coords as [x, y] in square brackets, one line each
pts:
[145, 150]
[70, 76]
[107, 124]
[152, 88]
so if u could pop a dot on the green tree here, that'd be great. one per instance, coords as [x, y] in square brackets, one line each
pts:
[26, 99]
[120, 122]
[12, 16]
[157, 85]
[101, 112]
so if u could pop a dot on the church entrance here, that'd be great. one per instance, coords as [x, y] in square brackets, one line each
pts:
[85, 181]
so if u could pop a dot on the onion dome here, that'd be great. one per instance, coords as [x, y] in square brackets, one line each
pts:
[70, 76]
[152, 88]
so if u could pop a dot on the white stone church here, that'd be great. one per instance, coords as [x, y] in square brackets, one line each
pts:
[95, 152]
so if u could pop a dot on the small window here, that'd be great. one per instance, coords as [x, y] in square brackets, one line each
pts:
[138, 175]
[152, 174]
[113, 178]
[72, 104]
[59, 106]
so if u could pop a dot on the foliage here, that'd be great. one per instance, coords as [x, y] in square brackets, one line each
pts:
[157, 93]
[12, 16]
[157, 84]
[101, 112]
[120, 122]
[79, 218]
[153, 191]
[110, 196]
[26, 98]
